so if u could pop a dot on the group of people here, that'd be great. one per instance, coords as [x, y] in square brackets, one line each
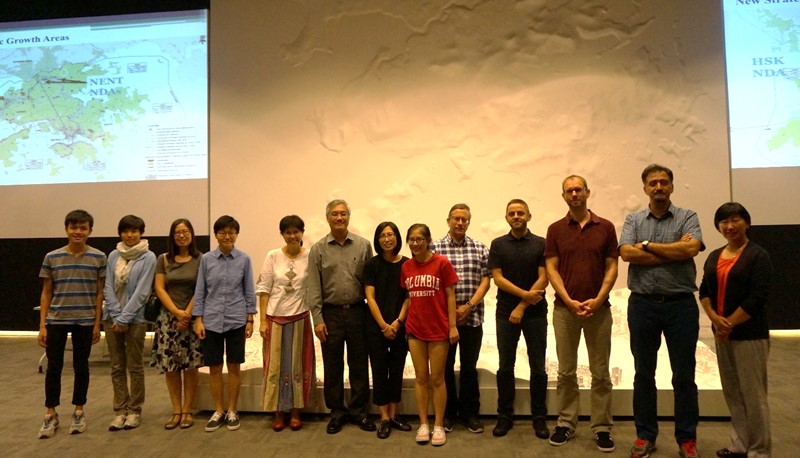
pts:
[384, 306]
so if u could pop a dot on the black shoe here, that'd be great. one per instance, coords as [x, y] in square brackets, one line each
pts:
[449, 424]
[540, 428]
[474, 425]
[385, 429]
[502, 427]
[604, 442]
[364, 423]
[561, 435]
[335, 425]
[399, 423]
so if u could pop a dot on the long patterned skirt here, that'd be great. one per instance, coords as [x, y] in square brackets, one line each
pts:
[289, 375]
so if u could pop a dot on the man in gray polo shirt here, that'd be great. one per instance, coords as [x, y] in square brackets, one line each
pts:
[335, 295]
[660, 243]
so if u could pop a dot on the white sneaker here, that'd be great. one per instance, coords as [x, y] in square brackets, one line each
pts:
[439, 436]
[118, 423]
[49, 426]
[423, 434]
[133, 421]
[78, 423]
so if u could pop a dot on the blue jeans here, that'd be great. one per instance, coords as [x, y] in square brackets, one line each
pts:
[678, 321]
[534, 328]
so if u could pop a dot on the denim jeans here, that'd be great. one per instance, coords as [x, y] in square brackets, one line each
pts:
[464, 401]
[534, 328]
[678, 321]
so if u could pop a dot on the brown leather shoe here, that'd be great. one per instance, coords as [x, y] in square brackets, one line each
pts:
[277, 423]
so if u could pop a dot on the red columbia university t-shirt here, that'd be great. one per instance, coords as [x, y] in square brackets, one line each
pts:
[427, 311]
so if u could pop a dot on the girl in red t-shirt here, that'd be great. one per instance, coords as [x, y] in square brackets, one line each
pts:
[430, 282]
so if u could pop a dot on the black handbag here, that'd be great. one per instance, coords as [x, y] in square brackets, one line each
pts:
[152, 306]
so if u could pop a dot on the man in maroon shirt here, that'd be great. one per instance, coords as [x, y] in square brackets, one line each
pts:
[581, 260]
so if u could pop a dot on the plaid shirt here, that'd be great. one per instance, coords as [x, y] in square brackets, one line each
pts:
[670, 277]
[471, 261]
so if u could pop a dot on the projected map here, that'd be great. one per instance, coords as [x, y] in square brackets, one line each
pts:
[762, 47]
[111, 103]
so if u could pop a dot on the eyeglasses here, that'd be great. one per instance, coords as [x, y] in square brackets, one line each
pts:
[388, 236]
[222, 235]
[184, 233]
[416, 241]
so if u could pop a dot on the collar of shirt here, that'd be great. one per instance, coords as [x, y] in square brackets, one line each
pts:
[348, 239]
[593, 219]
[668, 214]
[218, 254]
[528, 235]
[450, 241]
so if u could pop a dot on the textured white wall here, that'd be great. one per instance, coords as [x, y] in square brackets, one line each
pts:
[404, 108]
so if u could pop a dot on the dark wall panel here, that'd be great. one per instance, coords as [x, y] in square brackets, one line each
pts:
[20, 287]
[783, 245]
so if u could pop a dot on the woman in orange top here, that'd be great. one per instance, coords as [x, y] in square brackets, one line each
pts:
[734, 291]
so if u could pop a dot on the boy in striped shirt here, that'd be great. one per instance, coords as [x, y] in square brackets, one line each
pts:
[71, 303]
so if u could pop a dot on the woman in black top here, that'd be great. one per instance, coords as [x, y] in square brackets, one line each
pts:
[734, 291]
[385, 333]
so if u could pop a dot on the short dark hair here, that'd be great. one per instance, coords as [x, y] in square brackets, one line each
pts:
[459, 206]
[173, 249]
[652, 168]
[377, 239]
[426, 231]
[78, 217]
[729, 209]
[518, 201]
[130, 222]
[225, 222]
[291, 221]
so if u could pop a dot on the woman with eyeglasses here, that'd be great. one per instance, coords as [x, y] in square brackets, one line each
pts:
[385, 334]
[176, 348]
[429, 280]
[733, 293]
[285, 326]
[224, 307]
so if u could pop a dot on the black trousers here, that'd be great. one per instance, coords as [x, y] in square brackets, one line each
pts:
[464, 401]
[388, 359]
[346, 327]
[81, 348]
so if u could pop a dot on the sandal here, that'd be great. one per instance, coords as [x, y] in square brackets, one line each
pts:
[173, 421]
[187, 420]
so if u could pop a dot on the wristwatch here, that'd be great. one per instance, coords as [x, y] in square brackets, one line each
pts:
[646, 244]
[471, 306]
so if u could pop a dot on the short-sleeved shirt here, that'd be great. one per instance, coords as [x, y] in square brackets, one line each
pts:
[674, 277]
[519, 260]
[335, 273]
[470, 260]
[582, 254]
[426, 282]
[284, 279]
[74, 285]
[384, 276]
[180, 279]
[225, 293]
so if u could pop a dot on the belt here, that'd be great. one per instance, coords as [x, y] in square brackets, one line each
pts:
[664, 297]
[342, 306]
